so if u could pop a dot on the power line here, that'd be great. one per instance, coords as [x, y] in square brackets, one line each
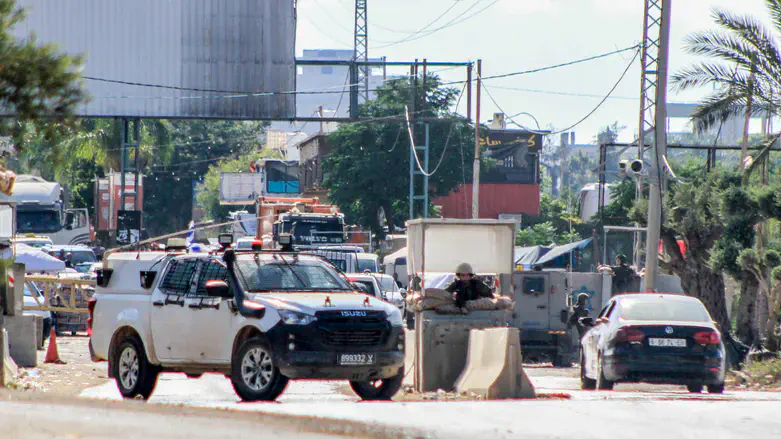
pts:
[562, 93]
[328, 89]
[328, 14]
[566, 64]
[620, 79]
[431, 23]
[326, 34]
[449, 24]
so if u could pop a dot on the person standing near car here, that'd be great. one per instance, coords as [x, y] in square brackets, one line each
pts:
[467, 287]
[578, 312]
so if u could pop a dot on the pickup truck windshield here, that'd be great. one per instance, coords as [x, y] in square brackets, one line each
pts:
[277, 272]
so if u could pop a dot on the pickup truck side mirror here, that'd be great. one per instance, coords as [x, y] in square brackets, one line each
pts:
[147, 279]
[218, 288]
[587, 321]
[403, 293]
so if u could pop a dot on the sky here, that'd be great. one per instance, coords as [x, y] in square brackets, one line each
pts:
[516, 35]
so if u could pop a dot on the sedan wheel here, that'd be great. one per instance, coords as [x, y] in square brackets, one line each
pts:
[716, 388]
[602, 382]
[586, 383]
[694, 388]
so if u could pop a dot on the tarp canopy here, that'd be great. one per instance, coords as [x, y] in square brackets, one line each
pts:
[529, 255]
[395, 257]
[36, 260]
[562, 250]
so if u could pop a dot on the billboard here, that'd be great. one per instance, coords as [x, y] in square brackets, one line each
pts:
[517, 153]
[242, 187]
[175, 58]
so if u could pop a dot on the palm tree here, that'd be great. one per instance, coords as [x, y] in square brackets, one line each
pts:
[744, 69]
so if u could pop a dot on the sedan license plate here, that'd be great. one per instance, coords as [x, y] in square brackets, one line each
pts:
[667, 342]
[357, 359]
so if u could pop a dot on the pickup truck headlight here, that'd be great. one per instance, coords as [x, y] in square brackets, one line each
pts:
[295, 318]
[394, 317]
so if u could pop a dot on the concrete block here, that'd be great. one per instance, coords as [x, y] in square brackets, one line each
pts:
[409, 358]
[22, 340]
[442, 343]
[494, 366]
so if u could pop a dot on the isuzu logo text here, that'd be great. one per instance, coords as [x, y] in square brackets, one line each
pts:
[353, 313]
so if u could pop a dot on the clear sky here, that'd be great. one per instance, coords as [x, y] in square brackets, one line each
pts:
[515, 35]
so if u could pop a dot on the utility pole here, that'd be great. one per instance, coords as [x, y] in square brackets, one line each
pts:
[476, 166]
[361, 46]
[657, 172]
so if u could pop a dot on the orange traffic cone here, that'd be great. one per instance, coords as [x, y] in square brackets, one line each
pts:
[52, 356]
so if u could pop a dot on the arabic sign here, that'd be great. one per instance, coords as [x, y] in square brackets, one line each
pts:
[511, 138]
[517, 153]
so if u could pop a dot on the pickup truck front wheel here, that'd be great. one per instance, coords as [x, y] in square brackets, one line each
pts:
[253, 374]
[134, 374]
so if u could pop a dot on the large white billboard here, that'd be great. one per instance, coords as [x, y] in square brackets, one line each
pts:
[176, 58]
[242, 188]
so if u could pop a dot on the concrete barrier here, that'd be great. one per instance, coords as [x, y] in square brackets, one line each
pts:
[442, 343]
[8, 369]
[22, 339]
[494, 367]
[409, 358]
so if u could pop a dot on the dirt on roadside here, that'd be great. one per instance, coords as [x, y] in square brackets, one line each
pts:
[69, 379]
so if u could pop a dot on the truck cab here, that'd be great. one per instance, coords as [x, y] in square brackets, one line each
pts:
[261, 318]
[40, 210]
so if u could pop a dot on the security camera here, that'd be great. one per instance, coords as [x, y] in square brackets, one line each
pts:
[630, 168]
[635, 168]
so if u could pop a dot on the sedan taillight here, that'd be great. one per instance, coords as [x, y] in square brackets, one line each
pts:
[629, 334]
[91, 307]
[707, 337]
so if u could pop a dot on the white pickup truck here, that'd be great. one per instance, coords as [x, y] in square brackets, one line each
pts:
[259, 318]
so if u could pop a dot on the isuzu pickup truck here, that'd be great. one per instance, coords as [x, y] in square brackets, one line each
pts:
[261, 318]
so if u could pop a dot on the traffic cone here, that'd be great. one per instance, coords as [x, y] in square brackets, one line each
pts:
[52, 356]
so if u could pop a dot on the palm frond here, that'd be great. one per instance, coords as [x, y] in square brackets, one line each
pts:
[716, 109]
[708, 73]
[752, 31]
[774, 9]
[721, 45]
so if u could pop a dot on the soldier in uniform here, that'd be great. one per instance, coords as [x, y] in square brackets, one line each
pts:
[578, 312]
[466, 286]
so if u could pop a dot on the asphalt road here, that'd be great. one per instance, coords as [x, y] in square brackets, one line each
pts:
[33, 419]
[631, 411]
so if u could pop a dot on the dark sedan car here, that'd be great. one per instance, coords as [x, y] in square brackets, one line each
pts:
[653, 338]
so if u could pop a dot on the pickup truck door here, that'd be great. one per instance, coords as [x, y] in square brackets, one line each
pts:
[170, 314]
[210, 337]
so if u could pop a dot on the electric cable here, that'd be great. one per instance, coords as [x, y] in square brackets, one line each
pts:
[426, 26]
[236, 94]
[451, 23]
[590, 113]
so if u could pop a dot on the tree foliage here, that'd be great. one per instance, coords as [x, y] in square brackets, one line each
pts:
[38, 84]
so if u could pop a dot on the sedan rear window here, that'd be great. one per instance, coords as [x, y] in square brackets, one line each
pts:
[664, 310]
